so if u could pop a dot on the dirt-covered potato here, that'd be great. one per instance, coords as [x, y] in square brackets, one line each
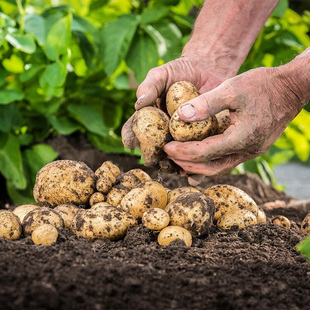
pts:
[45, 234]
[179, 93]
[116, 194]
[146, 195]
[174, 193]
[305, 225]
[155, 219]
[104, 223]
[129, 180]
[96, 197]
[151, 127]
[261, 216]
[192, 131]
[100, 205]
[64, 181]
[67, 212]
[105, 182]
[281, 220]
[227, 197]
[171, 233]
[194, 211]
[40, 216]
[237, 219]
[22, 210]
[10, 225]
[142, 175]
[107, 166]
[223, 121]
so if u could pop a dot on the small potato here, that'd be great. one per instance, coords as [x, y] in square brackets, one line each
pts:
[129, 180]
[171, 233]
[67, 212]
[151, 127]
[227, 197]
[223, 120]
[116, 194]
[147, 195]
[22, 210]
[174, 193]
[179, 93]
[236, 219]
[155, 219]
[107, 166]
[192, 131]
[45, 234]
[96, 197]
[261, 216]
[305, 225]
[104, 223]
[193, 211]
[142, 175]
[40, 216]
[105, 182]
[281, 220]
[64, 181]
[10, 225]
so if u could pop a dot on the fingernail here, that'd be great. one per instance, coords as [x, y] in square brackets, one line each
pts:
[139, 101]
[188, 110]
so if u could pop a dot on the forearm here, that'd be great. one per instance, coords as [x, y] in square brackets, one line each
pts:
[225, 31]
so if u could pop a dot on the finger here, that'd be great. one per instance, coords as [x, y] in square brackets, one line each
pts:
[128, 137]
[195, 179]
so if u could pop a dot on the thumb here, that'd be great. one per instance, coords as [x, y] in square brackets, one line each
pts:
[203, 106]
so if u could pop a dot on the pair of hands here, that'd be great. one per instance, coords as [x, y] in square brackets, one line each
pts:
[260, 105]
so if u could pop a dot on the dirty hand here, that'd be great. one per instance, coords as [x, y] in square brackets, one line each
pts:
[262, 102]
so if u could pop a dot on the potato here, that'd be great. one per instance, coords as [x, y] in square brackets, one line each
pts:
[116, 194]
[45, 234]
[10, 225]
[96, 197]
[173, 194]
[192, 131]
[237, 219]
[64, 181]
[179, 93]
[155, 219]
[40, 216]
[67, 212]
[151, 127]
[104, 223]
[129, 180]
[105, 182]
[193, 211]
[281, 220]
[305, 225]
[147, 195]
[223, 121]
[100, 205]
[261, 216]
[227, 197]
[171, 233]
[107, 166]
[22, 210]
[142, 175]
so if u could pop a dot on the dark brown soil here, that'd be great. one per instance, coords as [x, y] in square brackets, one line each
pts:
[253, 268]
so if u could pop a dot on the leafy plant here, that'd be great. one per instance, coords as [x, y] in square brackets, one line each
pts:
[304, 247]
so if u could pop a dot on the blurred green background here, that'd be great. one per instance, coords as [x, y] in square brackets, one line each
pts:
[73, 66]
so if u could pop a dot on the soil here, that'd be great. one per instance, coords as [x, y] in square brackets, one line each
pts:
[253, 268]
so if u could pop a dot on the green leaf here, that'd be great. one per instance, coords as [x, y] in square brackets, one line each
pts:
[153, 15]
[58, 38]
[280, 8]
[30, 73]
[3, 75]
[142, 56]
[86, 48]
[54, 75]
[64, 125]
[117, 37]
[11, 166]
[303, 247]
[158, 39]
[24, 43]
[13, 64]
[9, 95]
[35, 24]
[10, 117]
[112, 114]
[110, 144]
[6, 21]
[89, 118]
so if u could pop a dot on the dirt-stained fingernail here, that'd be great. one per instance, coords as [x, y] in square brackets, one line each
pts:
[188, 110]
[140, 99]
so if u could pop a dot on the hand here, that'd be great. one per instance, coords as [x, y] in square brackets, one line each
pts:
[261, 105]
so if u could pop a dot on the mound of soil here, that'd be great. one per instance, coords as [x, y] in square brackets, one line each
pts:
[253, 268]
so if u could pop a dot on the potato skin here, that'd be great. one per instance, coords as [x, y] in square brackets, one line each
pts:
[22, 210]
[10, 225]
[40, 216]
[96, 197]
[237, 219]
[193, 211]
[171, 233]
[116, 194]
[45, 234]
[67, 212]
[179, 93]
[192, 131]
[223, 121]
[174, 193]
[64, 181]
[281, 220]
[305, 225]
[155, 219]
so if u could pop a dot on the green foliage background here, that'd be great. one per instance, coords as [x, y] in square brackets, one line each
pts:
[73, 65]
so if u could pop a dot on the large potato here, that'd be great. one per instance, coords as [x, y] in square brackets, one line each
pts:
[64, 181]
[40, 216]
[142, 175]
[237, 219]
[102, 223]
[174, 193]
[10, 225]
[22, 210]
[147, 195]
[227, 197]
[193, 211]
[151, 127]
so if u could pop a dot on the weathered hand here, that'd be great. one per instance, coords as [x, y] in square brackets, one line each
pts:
[261, 104]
